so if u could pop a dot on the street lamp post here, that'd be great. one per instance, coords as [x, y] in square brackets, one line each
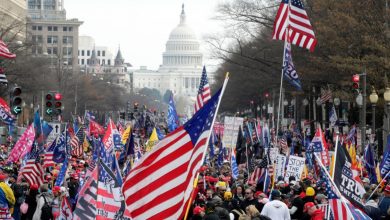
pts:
[373, 100]
[359, 102]
[386, 96]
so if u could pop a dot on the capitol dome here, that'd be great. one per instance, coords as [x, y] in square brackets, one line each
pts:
[182, 47]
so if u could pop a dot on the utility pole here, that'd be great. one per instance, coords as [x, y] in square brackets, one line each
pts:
[363, 122]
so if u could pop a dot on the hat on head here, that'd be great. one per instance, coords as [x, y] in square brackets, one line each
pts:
[3, 176]
[275, 194]
[56, 189]
[310, 191]
[34, 187]
[198, 210]
[308, 206]
[227, 195]
[320, 196]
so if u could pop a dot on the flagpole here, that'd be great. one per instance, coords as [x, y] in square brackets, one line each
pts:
[334, 164]
[207, 143]
[376, 188]
[337, 190]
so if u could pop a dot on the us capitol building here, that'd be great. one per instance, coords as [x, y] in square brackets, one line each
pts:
[182, 65]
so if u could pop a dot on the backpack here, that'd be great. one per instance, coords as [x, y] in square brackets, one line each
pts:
[46, 211]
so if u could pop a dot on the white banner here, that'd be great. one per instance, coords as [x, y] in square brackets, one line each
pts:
[295, 167]
[280, 164]
[273, 152]
[230, 133]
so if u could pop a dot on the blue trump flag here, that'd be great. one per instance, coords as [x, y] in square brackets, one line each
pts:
[59, 149]
[384, 166]
[61, 175]
[173, 120]
[370, 164]
[289, 71]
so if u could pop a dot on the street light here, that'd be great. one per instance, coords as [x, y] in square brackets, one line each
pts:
[373, 99]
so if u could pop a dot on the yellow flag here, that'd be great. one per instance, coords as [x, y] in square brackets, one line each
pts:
[331, 165]
[126, 134]
[352, 153]
[305, 172]
[85, 144]
[152, 140]
[378, 173]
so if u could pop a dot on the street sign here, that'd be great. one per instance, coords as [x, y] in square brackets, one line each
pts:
[55, 132]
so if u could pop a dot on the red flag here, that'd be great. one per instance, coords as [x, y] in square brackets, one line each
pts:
[95, 128]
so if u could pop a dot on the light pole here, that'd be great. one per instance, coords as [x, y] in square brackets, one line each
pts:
[359, 102]
[386, 96]
[373, 100]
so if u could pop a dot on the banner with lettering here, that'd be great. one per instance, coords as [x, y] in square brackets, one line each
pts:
[230, 132]
[5, 113]
[384, 166]
[280, 164]
[346, 177]
[295, 167]
[23, 146]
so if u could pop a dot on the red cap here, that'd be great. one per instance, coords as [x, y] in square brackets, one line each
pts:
[198, 210]
[34, 187]
[308, 206]
[75, 176]
[56, 188]
[387, 189]
[3, 176]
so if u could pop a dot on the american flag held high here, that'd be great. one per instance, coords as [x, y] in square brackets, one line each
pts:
[4, 52]
[204, 92]
[292, 16]
[160, 184]
[33, 171]
[76, 142]
[326, 95]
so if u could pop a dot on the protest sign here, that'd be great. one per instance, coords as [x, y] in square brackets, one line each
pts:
[295, 167]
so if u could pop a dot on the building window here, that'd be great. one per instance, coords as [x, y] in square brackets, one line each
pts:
[103, 53]
[55, 28]
[34, 28]
[52, 39]
[98, 53]
[109, 62]
[103, 62]
[82, 53]
[49, 28]
[88, 53]
[187, 83]
[82, 61]
[67, 39]
[52, 50]
[39, 28]
[37, 39]
[64, 29]
[67, 51]
[70, 29]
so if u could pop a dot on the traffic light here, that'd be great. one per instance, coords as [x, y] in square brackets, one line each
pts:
[49, 103]
[58, 103]
[16, 100]
[355, 81]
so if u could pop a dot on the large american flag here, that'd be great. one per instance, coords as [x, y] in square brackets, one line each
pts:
[160, 184]
[292, 16]
[204, 92]
[4, 52]
[326, 95]
[33, 171]
[259, 171]
[77, 142]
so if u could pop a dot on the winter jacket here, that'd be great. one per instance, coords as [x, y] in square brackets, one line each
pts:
[384, 205]
[40, 203]
[372, 210]
[7, 201]
[318, 215]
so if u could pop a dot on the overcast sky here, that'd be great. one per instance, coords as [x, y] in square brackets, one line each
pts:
[141, 27]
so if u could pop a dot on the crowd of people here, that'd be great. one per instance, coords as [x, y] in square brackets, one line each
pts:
[219, 196]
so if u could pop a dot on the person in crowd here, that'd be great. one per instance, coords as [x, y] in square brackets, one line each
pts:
[44, 201]
[73, 186]
[56, 201]
[238, 194]
[7, 198]
[384, 203]
[310, 194]
[276, 209]
[19, 190]
[371, 206]
[198, 213]
[31, 202]
[314, 213]
[297, 203]
[252, 212]
[210, 212]
[250, 200]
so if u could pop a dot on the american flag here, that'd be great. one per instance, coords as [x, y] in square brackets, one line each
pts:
[65, 210]
[204, 92]
[77, 142]
[283, 143]
[160, 184]
[109, 202]
[326, 95]
[48, 155]
[292, 16]
[4, 52]
[259, 171]
[33, 171]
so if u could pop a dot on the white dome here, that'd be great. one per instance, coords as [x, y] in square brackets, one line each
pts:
[182, 32]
